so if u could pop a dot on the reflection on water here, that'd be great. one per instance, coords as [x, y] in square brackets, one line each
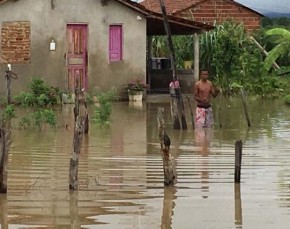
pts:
[203, 138]
[238, 206]
[121, 175]
[168, 206]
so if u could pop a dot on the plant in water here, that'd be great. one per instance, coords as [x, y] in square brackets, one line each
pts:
[43, 117]
[104, 109]
[3, 101]
[286, 99]
[25, 122]
[135, 86]
[41, 95]
[9, 113]
[39, 118]
[6, 115]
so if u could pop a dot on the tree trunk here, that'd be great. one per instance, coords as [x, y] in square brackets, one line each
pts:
[180, 117]
[245, 107]
[196, 57]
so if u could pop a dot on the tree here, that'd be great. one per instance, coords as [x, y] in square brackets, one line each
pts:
[281, 49]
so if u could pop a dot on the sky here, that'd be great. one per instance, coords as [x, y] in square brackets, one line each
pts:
[281, 6]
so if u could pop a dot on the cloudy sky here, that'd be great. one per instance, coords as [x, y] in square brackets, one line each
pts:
[281, 6]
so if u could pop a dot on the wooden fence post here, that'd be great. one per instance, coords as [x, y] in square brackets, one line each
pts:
[9, 76]
[80, 121]
[238, 160]
[168, 164]
[4, 150]
[74, 160]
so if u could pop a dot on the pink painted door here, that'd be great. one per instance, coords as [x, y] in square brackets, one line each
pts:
[76, 56]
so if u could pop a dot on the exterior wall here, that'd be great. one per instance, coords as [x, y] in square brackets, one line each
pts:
[47, 24]
[15, 42]
[212, 11]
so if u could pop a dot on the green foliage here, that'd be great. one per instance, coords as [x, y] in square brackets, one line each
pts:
[8, 113]
[159, 46]
[233, 59]
[269, 86]
[89, 98]
[25, 122]
[3, 101]
[104, 109]
[230, 56]
[286, 99]
[39, 118]
[41, 95]
[25, 99]
[184, 49]
[282, 40]
[269, 23]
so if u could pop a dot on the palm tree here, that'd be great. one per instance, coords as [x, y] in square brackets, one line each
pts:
[282, 48]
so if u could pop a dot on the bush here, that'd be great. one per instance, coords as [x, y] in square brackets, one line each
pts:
[41, 95]
[104, 110]
[286, 99]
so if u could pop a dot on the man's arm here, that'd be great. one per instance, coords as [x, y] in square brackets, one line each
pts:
[214, 91]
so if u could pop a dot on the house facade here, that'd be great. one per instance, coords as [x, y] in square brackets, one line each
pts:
[209, 11]
[103, 43]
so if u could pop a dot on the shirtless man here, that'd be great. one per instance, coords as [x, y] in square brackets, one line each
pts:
[203, 91]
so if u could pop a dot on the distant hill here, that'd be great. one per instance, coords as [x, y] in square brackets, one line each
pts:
[276, 14]
[271, 14]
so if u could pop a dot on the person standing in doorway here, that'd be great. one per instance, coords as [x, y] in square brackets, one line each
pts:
[203, 92]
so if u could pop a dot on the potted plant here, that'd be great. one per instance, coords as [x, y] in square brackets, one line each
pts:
[135, 89]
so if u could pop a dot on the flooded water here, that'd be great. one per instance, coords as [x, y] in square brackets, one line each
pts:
[121, 175]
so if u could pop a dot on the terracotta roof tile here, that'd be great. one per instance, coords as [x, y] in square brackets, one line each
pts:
[172, 6]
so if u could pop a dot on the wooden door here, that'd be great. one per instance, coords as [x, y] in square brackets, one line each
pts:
[76, 56]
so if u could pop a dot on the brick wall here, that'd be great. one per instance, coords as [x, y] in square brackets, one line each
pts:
[15, 42]
[219, 10]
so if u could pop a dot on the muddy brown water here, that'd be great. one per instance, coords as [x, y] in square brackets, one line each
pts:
[121, 176]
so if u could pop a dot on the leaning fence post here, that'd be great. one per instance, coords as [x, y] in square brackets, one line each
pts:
[238, 160]
[245, 108]
[168, 164]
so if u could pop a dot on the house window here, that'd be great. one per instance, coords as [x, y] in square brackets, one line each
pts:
[15, 42]
[115, 43]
